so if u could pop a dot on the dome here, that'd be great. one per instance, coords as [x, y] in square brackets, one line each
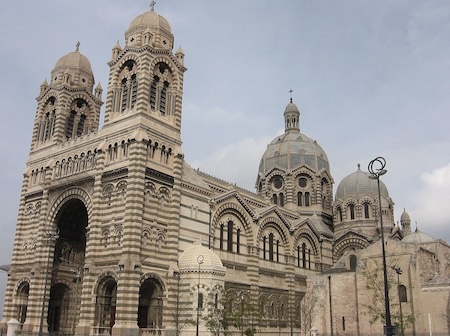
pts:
[358, 185]
[291, 107]
[293, 149]
[418, 237]
[189, 259]
[74, 60]
[149, 28]
[405, 217]
[150, 19]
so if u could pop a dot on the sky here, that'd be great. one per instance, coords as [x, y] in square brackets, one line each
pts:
[370, 78]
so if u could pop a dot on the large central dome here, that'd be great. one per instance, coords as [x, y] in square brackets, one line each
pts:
[293, 149]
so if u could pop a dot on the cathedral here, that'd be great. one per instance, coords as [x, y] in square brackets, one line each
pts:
[118, 235]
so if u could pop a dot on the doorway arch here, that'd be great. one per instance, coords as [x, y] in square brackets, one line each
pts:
[150, 310]
[71, 219]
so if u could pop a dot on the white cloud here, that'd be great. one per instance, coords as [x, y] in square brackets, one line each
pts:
[236, 162]
[432, 202]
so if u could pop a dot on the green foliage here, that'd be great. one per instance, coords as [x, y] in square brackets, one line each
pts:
[310, 304]
[215, 316]
[375, 310]
[224, 310]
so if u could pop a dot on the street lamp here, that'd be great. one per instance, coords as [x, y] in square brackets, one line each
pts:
[50, 235]
[242, 313]
[200, 261]
[77, 280]
[376, 169]
[398, 270]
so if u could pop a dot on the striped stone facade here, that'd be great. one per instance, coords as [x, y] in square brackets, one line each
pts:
[107, 215]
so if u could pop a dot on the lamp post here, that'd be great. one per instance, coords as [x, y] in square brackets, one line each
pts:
[200, 261]
[376, 169]
[50, 235]
[77, 280]
[398, 270]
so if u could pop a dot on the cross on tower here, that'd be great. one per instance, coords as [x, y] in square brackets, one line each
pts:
[290, 93]
[78, 46]
[152, 5]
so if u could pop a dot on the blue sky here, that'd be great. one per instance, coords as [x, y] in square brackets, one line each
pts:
[371, 78]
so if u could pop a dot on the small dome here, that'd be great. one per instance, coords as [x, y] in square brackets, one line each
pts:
[74, 60]
[150, 19]
[291, 107]
[189, 259]
[418, 237]
[358, 185]
[149, 28]
[405, 217]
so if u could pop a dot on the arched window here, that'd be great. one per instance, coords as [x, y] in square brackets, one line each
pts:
[126, 94]
[80, 127]
[298, 256]
[281, 199]
[161, 98]
[70, 124]
[238, 240]
[300, 198]
[153, 90]
[339, 210]
[134, 90]
[124, 98]
[200, 301]
[264, 247]
[271, 246]
[366, 210]
[278, 251]
[22, 304]
[353, 262]
[402, 293]
[274, 199]
[221, 237]
[49, 126]
[46, 126]
[230, 236]
[304, 255]
[307, 200]
[351, 209]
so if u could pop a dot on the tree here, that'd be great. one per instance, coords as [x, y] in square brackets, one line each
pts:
[181, 312]
[311, 303]
[215, 317]
[376, 311]
[246, 312]
[239, 309]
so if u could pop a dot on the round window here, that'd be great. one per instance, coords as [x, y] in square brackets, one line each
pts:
[277, 182]
[302, 182]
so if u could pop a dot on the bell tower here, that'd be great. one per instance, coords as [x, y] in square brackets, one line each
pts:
[69, 106]
[146, 80]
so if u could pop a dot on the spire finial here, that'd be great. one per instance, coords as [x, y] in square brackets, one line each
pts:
[77, 46]
[152, 5]
[290, 93]
[359, 166]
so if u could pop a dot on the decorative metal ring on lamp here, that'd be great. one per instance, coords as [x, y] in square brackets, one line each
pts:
[376, 167]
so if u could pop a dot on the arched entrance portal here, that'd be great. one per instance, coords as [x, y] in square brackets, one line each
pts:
[70, 248]
[150, 305]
